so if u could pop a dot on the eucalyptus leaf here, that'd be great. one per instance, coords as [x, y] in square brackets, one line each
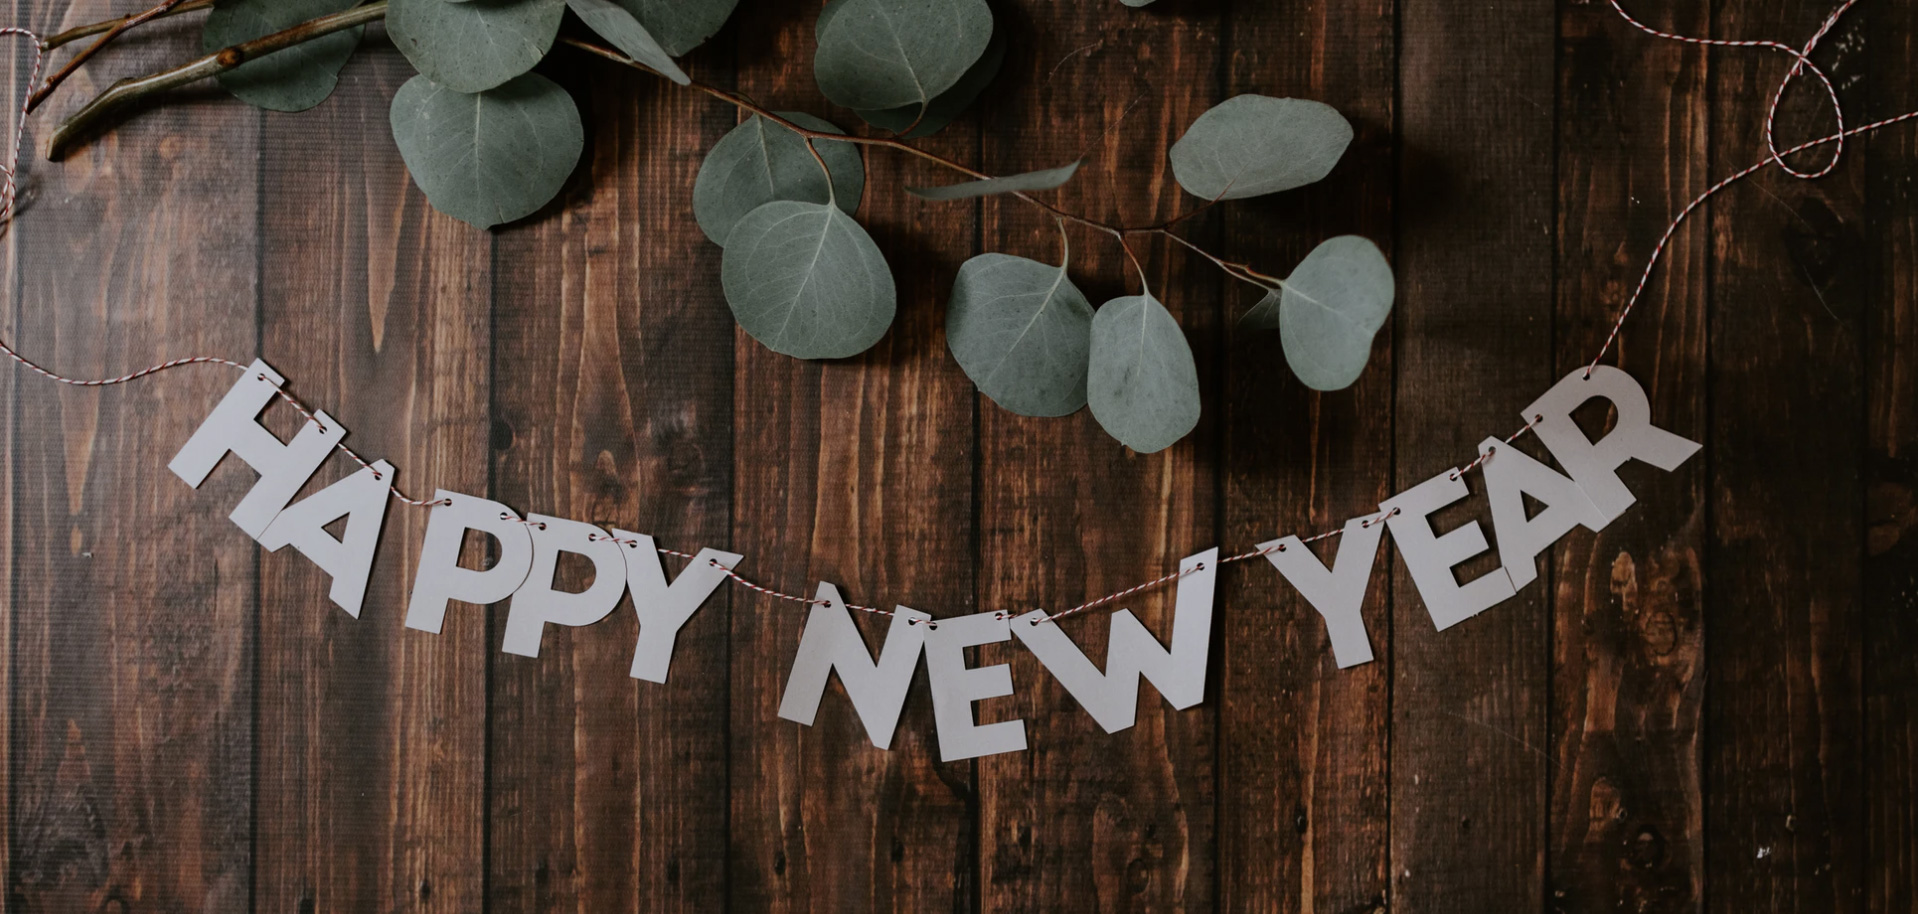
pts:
[1023, 333]
[1142, 384]
[950, 103]
[681, 25]
[759, 161]
[1031, 180]
[879, 54]
[475, 45]
[293, 79]
[488, 157]
[618, 26]
[1329, 309]
[1253, 144]
[807, 281]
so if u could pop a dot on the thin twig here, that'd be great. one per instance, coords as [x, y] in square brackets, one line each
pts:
[83, 31]
[113, 31]
[129, 90]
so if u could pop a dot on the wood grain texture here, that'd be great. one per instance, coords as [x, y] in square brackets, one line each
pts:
[372, 736]
[611, 405]
[1708, 706]
[1303, 779]
[857, 472]
[1890, 623]
[1472, 348]
[1104, 821]
[133, 602]
[1628, 681]
[1789, 292]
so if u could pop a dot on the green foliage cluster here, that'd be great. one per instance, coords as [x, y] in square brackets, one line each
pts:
[489, 142]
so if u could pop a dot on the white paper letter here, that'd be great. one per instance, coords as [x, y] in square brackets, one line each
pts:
[1339, 593]
[1510, 475]
[832, 643]
[664, 609]
[955, 688]
[361, 499]
[1112, 698]
[1594, 465]
[440, 577]
[537, 602]
[1429, 557]
[283, 468]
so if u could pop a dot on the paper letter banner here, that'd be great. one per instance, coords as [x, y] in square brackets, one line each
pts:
[360, 498]
[664, 609]
[527, 555]
[832, 643]
[1339, 593]
[1429, 558]
[1112, 698]
[537, 602]
[955, 687]
[283, 468]
[1510, 475]
[440, 577]
[1594, 465]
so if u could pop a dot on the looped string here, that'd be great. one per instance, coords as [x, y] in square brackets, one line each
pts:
[20, 123]
[1801, 63]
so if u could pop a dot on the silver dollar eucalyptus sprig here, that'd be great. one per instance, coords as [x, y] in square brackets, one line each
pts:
[490, 142]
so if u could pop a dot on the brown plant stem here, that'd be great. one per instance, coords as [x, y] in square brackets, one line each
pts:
[1119, 232]
[129, 90]
[83, 31]
[115, 30]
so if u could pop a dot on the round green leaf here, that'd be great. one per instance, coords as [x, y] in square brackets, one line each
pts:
[1022, 331]
[759, 161]
[681, 25]
[807, 281]
[615, 24]
[1329, 310]
[293, 79]
[475, 45]
[1253, 144]
[488, 157]
[950, 103]
[1142, 384]
[879, 54]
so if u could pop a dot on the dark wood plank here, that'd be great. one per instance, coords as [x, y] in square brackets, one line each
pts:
[1303, 779]
[1789, 293]
[1084, 819]
[613, 404]
[1891, 468]
[1628, 680]
[377, 309]
[857, 472]
[1473, 321]
[18, 53]
[134, 597]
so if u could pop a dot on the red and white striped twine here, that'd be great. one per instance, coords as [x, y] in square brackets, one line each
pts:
[1801, 62]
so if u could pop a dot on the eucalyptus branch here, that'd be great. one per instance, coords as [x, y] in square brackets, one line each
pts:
[84, 31]
[1118, 232]
[130, 90]
[127, 91]
[114, 30]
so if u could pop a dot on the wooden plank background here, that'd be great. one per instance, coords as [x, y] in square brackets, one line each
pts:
[1711, 706]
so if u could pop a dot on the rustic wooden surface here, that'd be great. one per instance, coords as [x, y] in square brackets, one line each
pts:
[1711, 706]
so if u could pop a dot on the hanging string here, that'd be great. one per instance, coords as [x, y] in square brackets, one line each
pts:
[1801, 64]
